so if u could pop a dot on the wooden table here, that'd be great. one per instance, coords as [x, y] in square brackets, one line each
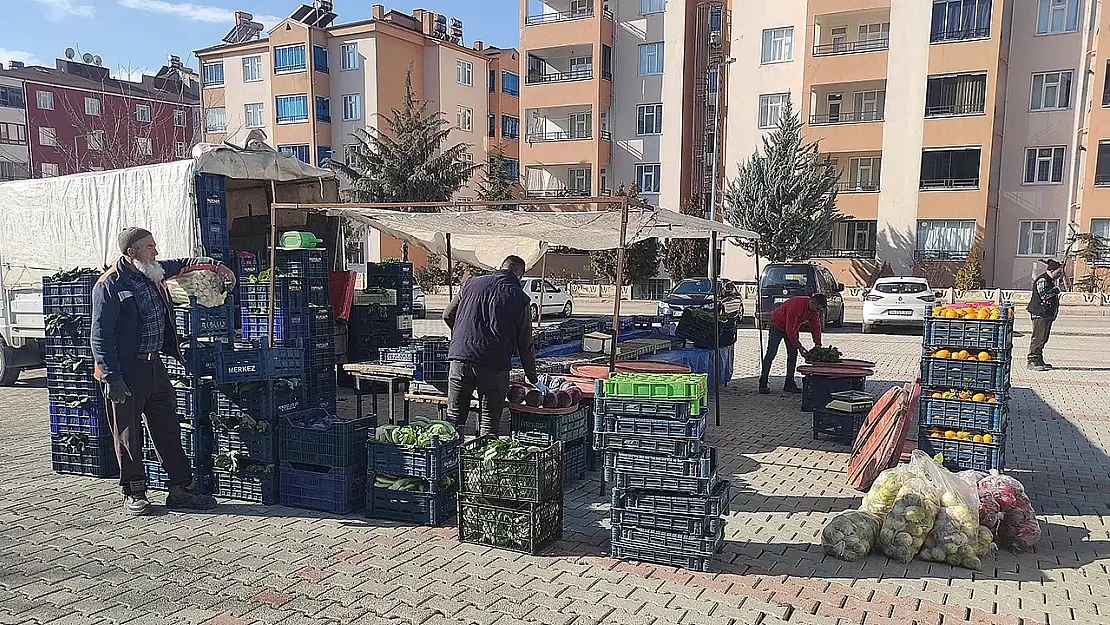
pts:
[395, 378]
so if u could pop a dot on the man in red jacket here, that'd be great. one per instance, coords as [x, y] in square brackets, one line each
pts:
[786, 321]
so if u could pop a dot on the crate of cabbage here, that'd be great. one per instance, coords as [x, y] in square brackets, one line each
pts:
[505, 468]
[411, 499]
[526, 527]
[422, 449]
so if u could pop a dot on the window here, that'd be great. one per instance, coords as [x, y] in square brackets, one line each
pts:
[651, 58]
[48, 137]
[213, 74]
[11, 97]
[1051, 90]
[179, 118]
[349, 151]
[956, 168]
[964, 94]
[716, 19]
[511, 170]
[581, 8]
[649, 119]
[652, 6]
[510, 83]
[95, 140]
[291, 109]
[1044, 165]
[464, 118]
[49, 170]
[323, 108]
[92, 106]
[492, 80]
[215, 119]
[352, 107]
[180, 150]
[581, 125]
[778, 45]
[13, 134]
[323, 153]
[874, 32]
[864, 173]
[464, 72]
[771, 107]
[578, 180]
[254, 116]
[45, 100]
[142, 113]
[647, 178]
[1101, 229]
[606, 62]
[1102, 164]
[289, 59]
[320, 58]
[851, 239]
[252, 68]
[712, 81]
[349, 51]
[492, 125]
[870, 105]
[144, 146]
[945, 239]
[510, 127]
[956, 20]
[581, 67]
[300, 151]
[1106, 86]
[1038, 238]
[13, 171]
[1057, 16]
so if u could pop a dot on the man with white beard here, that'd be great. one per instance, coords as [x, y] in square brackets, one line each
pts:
[132, 326]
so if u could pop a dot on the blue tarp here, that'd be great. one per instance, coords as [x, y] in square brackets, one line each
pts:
[700, 361]
[566, 349]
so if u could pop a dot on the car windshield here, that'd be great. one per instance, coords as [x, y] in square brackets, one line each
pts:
[901, 288]
[693, 287]
[786, 276]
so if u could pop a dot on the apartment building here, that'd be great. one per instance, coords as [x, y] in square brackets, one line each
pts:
[15, 155]
[951, 122]
[503, 133]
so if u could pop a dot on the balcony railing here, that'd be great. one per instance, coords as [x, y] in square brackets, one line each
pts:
[959, 255]
[857, 187]
[960, 35]
[950, 110]
[833, 253]
[606, 75]
[1102, 180]
[577, 74]
[546, 193]
[847, 117]
[560, 16]
[850, 47]
[606, 135]
[950, 183]
[559, 135]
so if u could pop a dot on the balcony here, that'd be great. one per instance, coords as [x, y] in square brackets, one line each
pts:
[954, 110]
[851, 47]
[556, 181]
[962, 34]
[539, 78]
[551, 12]
[864, 186]
[941, 255]
[559, 64]
[846, 253]
[949, 183]
[846, 117]
[559, 135]
[954, 168]
[559, 123]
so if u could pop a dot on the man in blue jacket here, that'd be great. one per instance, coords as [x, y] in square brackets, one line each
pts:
[490, 321]
[132, 327]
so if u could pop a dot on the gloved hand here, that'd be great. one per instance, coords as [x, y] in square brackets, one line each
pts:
[118, 391]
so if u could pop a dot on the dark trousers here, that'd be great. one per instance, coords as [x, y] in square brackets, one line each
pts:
[1042, 330]
[492, 386]
[776, 336]
[153, 399]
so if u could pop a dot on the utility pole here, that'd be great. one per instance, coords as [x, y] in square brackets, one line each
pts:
[717, 141]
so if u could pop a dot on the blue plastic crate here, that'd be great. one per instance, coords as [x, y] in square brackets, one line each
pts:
[196, 441]
[269, 400]
[79, 454]
[258, 446]
[542, 429]
[646, 444]
[195, 321]
[214, 234]
[817, 390]
[254, 362]
[82, 415]
[991, 375]
[310, 263]
[431, 508]
[62, 366]
[703, 466]
[429, 463]
[156, 478]
[574, 461]
[714, 504]
[193, 402]
[997, 334]
[68, 328]
[318, 437]
[961, 414]
[246, 486]
[289, 325]
[70, 296]
[292, 294]
[398, 270]
[676, 410]
[73, 386]
[330, 489]
[966, 454]
[198, 361]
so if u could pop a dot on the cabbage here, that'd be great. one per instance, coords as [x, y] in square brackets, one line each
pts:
[850, 535]
[205, 285]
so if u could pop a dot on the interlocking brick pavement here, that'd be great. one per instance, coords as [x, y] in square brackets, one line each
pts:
[70, 556]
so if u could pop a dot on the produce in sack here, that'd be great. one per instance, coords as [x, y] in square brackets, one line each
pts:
[914, 511]
[205, 285]
[850, 535]
[824, 354]
[1015, 523]
[418, 433]
[884, 490]
[957, 537]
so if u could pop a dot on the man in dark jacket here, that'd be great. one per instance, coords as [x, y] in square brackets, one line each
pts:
[490, 321]
[786, 322]
[132, 327]
[1044, 305]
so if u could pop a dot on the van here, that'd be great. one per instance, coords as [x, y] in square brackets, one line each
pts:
[780, 281]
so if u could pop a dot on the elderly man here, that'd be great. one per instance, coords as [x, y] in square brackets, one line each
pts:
[1044, 306]
[132, 327]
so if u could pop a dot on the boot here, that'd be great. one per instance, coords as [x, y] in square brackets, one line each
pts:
[764, 388]
[1037, 365]
[791, 387]
[187, 497]
[136, 503]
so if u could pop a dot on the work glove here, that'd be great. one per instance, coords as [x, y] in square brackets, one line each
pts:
[118, 392]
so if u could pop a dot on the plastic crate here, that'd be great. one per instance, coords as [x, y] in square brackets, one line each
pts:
[156, 478]
[195, 321]
[319, 361]
[292, 294]
[688, 387]
[966, 454]
[705, 526]
[71, 363]
[997, 334]
[522, 527]
[697, 328]
[391, 270]
[715, 504]
[533, 479]
[542, 429]
[431, 508]
[419, 353]
[817, 390]
[311, 263]
[320, 391]
[259, 446]
[666, 483]
[651, 409]
[329, 489]
[628, 549]
[196, 441]
[198, 361]
[671, 542]
[316, 436]
[837, 424]
[703, 466]
[961, 414]
[430, 463]
[246, 486]
[618, 424]
[261, 401]
[256, 362]
[70, 296]
[79, 454]
[991, 375]
[73, 387]
[193, 402]
[289, 325]
[641, 444]
[574, 461]
[86, 414]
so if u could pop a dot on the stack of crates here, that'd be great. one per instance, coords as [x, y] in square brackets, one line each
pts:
[668, 503]
[513, 503]
[435, 466]
[382, 315]
[571, 428]
[427, 357]
[966, 362]
[397, 276]
[80, 439]
[323, 460]
[211, 198]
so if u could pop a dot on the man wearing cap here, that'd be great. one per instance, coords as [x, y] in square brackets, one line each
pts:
[1044, 305]
[132, 326]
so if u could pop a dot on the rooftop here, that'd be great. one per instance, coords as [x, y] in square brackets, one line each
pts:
[171, 82]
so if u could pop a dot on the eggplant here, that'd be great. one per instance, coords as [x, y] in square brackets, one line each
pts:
[517, 394]
[534, 398]
[550, 401]
[563, 399]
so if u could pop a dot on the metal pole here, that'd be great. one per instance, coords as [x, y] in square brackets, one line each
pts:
[543, 289]
[716, 151]
[758, 299]
[619, 282]
[450, 272]
[716, 328]
[273, 262]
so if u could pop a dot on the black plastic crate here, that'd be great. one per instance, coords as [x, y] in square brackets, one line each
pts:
[837, 424]
[68, 296]
[196, 441]
[195, 321]
[676, 410]
[316, 436]
[542, 429]
[429, 463]
[289, 325]
[260, 445]
[714, 504]
[392, 270]
[961, 414]
[84, 414]
[533, 479]
[260, 401]
[522, 527]
[156, 478]
[79, 454]
[68, 328]
[292, 294]
[574, 461]
[703, 466]
[255, 362]
[198, 360]
[430, 508]
[674, 485]
[311, 263]
[671, 542]
[965, 454]
[194, 402]
[327, 488]
[990, 375]
[645, 444]
[817, 390]
[695, 526]
[641, 552]
[74, 388]
[693, 428]
[256, 484]
[318, 361]
[697, 327]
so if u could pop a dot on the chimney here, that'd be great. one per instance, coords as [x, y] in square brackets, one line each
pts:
[478, 45]
[15, 65]
[378, 11]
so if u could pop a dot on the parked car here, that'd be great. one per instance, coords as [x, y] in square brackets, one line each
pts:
[556, 300]
[698, 293]
[781, 281]
[897, 302]
[419, 304]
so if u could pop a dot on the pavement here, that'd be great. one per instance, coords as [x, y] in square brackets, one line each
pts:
[70, 557]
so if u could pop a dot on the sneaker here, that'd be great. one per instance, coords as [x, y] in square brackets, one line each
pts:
[187, 497]
[1047, 366]
[764, 389]
[1038, 366]
[136, 504]
[792, 388]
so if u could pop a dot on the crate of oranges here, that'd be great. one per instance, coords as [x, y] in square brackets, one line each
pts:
[965, 449]
[971, 370]
[961, 410]
[972, 326]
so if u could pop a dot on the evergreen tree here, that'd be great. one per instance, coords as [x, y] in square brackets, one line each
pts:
[497, 184]
[641, 260]
[687, 258]
[787, 195]
[970, 276]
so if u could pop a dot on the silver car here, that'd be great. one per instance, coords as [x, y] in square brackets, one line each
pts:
[419, 305]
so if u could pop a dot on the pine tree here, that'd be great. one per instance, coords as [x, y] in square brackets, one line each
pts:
[641, 260]
[496, 184]
[970, 276]
[787, 195]
[687, 258]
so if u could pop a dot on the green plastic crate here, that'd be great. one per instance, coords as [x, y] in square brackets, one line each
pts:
[677, 386]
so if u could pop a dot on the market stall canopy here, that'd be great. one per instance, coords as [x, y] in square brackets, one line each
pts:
[484, 237]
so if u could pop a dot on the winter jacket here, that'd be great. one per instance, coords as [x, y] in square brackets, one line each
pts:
[791, 314]
[1045, 300]
[490, 320]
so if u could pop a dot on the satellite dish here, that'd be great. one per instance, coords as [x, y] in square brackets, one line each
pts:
[87, 58]
[70, 53]
[97, 60]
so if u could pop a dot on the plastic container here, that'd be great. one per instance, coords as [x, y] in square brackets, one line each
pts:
[291, 294]
[240, 363]
[83, 415]
[156, 478]
[79, 454]
[629, 550]
[431, 508]
[991, 375]
[328, 489]
[675, 386]
[196, 321]
[318, 437]
[979, 334]
[245, 486]
[702, 467]
[817, 390]
[262, 401]
[666, 483]
[966, 454]
[194, 402]
[574, 461]
[698, 329]
[691, 428]
[640, 444]
[294, 238]
[671, 542]
[196, 441]
[708, 526]
[69, 296]
[544, 429]
[289, 325]
[652, 409]
[837, 424]
[715, 504]
[521, 527]
[962, 414]
[533, 479]
[430, 463]
[258, 446]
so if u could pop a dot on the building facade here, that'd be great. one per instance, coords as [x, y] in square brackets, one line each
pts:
[503, 132]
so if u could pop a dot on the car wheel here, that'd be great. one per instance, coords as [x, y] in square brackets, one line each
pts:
[535, 313]
[868, 328]
[568, 309]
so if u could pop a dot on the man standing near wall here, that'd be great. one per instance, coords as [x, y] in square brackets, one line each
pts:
[1044, 306]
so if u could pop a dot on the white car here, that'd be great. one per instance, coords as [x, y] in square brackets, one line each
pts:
[556, 301]
[897, 302]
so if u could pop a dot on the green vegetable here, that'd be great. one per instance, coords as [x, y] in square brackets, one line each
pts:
[824, 354]
[241, 465]
[418, 433]
[71, 275]
[850, 535]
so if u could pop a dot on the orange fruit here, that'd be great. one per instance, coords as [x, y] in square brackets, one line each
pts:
[992, 400]
[950, 314]
[978, 438]
[964, 354]
[937, 396]
[942, 353]
[949, 434]
[984, 356]
[961, 435]
[979, 397]
[987, 438]
[994, 316]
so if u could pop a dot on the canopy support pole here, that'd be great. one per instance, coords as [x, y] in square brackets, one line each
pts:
[619, 281]
[450, 272]
[273, 262]
[716, 327]
[758, 299]
[543, 288]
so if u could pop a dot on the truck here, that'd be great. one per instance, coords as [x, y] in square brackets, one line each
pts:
[54, 224]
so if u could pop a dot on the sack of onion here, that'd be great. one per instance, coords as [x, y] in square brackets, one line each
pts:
[206, 286]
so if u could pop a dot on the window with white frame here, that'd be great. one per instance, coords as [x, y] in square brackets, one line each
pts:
[142, 113]
[1038, 237]
[252, 68]
[144, 146]
[464, 72]
[213, 74]
[874, 32]
[581, 7]
[1051, 90]
[48, 136]
[95, 140]
[352, 107]
[870, 105]
[778, 45]
[92, 106]
[651, 58]
[1057, 16]
[180, 150]
[49, 170]
[179, 118]
[1044, 165]
[254, 115]
[771, 107]
[578, 180]
[215, 119]
[864, 173]
[464, 118]
[647, 178]
[945, 239]
[349, 56]
[1101, 228]
[649, 119]
[652, 6]
[45, 100]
